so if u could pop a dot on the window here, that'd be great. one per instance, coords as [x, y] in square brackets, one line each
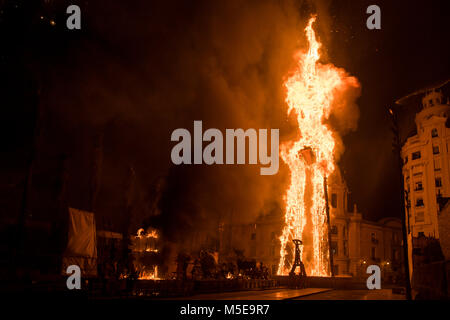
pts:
[434, 133]
[253, 236]
[437, 164]
[345, 248]
[373, 252]
[334, 200]
[419, 216]
[439, 196]
[416, 155]
[431, 102]
[419, 202]
[334, 248]
[334, 230]
[435, 149]
[438, 182]
[373, 238]
[419, 186]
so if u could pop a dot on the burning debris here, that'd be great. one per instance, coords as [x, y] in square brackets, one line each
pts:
[146, 241]
[149, 275]
[145, 252]
[205, 266]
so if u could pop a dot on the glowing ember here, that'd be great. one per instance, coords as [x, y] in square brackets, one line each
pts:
[148, 275]
[310, 159]
[143, 275]
[149, 234]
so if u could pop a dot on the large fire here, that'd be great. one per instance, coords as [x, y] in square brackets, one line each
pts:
[149, 275]
[310, 93]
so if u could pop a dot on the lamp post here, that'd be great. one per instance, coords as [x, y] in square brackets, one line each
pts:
[397, 150]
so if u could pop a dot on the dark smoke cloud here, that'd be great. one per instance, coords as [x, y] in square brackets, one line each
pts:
[345, 111]
[143, 69]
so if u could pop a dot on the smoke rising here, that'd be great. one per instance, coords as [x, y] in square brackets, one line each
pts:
[141, 70]
[345, 112]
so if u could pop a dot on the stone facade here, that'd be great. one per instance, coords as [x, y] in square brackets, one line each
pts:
[426, 166]
[426, 169]
[356, 242]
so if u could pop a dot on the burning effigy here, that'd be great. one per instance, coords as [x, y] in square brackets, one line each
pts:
[311, 91]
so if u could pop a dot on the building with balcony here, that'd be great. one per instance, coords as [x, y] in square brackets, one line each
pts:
[426, 166]
[426, 171]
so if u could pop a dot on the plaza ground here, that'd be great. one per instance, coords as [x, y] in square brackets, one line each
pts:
[301, 294]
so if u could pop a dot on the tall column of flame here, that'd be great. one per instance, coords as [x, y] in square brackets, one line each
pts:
[309, 95]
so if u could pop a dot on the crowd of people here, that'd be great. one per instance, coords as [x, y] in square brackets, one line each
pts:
[206, 266]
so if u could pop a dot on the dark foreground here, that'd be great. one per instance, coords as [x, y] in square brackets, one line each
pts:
[301, 294]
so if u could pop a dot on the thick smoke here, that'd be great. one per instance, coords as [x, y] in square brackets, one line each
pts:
[146, 69]
[345, 112]
[141, 70]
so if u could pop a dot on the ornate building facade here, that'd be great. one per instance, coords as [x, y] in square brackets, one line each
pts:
[426, 170]
[426, 166]
[355, 241]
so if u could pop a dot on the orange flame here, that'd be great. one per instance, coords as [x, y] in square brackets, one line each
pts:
[310, 159]
[143, 275]
[149, 275]
[149, 234]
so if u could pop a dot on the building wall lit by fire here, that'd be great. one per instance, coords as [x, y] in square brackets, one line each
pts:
[356, 242]
[426, 166]
[426, 171]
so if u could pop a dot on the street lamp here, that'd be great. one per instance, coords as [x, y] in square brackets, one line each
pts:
[397, 150]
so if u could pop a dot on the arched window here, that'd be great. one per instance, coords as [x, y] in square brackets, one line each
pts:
[434, 133]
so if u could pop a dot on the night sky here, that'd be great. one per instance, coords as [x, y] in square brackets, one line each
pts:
[408, 53]
[137, 71]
